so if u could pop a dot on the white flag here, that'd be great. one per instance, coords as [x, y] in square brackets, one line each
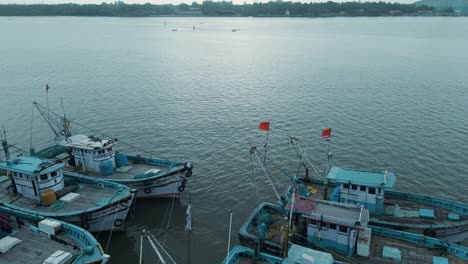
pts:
[189, 219]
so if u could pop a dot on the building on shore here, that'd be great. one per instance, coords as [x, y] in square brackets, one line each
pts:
[460, 7]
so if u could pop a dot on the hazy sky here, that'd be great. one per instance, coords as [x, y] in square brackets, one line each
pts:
[166, 1]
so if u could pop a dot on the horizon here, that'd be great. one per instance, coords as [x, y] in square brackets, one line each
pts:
[176, 2]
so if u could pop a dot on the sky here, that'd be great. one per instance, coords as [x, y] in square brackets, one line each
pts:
[167, 1]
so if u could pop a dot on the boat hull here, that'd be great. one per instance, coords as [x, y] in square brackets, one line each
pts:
[113, 217]
[161, 187]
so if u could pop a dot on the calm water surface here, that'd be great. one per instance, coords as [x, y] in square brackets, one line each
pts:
[394, 90]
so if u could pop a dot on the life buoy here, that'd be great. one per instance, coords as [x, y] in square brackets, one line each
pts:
[147, 190]
[182, 186]
[118, 222]
[188, 174]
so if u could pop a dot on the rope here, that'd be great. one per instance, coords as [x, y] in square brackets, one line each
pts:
[169, 220]
[298, 149]
[254, 150]
[112, 229]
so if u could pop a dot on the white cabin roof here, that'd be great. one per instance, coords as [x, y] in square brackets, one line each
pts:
[87, 142]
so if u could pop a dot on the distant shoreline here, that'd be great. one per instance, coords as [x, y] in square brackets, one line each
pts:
[222, 9]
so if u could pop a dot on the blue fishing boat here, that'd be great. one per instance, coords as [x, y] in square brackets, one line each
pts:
[431, 216]
[27, 238]
[98, 158]
[38, 186]
[344, 230]
[296, 254]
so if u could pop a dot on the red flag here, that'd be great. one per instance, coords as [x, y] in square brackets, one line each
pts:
[264, 126]
[47, 88]
[326, 133]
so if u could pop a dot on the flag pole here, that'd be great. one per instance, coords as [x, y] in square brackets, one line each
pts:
[266, 142]
[47, 96]
[189, 230]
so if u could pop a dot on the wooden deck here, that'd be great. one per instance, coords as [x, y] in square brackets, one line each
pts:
[33, 248]
[410, 253]
[441, 215]
[136, 169]
[90, 196]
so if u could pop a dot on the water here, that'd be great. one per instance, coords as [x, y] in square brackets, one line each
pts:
[394, 90]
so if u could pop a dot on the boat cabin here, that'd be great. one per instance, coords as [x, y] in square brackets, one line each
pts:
[335, 225]
[361, 187]
[92, 154]
[32, 175]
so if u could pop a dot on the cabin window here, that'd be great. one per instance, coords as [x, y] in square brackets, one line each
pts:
[371, 190]
[379, 190]
[20, 175]
[353, 187]
[343, 230]
[53, 174]
[313, 223]
[43, 177]
[345, 186]
[324, 226]
[109, 149]
[15, 174]
[363, 188]
[332, 227]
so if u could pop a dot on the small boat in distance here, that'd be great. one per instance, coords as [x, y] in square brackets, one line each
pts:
[26, 239]
[98, 158]
[38, 186]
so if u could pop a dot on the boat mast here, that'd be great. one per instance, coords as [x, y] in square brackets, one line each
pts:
[59, 124]
[5, 145]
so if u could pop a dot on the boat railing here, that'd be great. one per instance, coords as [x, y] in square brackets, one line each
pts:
[155, 161]
[438, 202]
[93, 181]
[430, 242]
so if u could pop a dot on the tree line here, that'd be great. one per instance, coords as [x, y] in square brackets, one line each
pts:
[211, 8]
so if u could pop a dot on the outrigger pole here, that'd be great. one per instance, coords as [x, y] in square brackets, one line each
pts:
[229, 236]
[189, 225]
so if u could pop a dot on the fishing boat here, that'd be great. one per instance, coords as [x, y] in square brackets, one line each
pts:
[38, 186]
[296, 254]
[27, 238]
[342, 229]
[431, 216]
[98, 158]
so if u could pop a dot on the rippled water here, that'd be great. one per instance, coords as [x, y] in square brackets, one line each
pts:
[394, 90]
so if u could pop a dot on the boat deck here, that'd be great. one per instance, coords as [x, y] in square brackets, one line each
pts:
[410, 252]
[90, 196]
[34, 248]
[134, 169]
[441, 214]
